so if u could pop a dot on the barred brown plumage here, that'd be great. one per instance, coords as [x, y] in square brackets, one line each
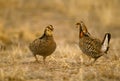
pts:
[90, 46]
[45, 45]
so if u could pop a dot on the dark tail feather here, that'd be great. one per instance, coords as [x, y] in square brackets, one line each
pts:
[105, 43]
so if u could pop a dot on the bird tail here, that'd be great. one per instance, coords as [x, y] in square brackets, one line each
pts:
[105, 43]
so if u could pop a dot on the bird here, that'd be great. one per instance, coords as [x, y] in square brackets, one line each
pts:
[44, 45]
[91, 46]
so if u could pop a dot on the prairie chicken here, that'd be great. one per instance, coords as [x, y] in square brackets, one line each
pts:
[92, 47]
[45, 45]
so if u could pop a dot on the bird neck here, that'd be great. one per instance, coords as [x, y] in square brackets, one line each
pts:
[44, 36]
[80, 32]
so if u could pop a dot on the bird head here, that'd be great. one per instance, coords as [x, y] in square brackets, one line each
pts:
[82, 29]
[49, 30]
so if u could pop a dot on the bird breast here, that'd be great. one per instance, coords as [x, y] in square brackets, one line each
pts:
[90, 46]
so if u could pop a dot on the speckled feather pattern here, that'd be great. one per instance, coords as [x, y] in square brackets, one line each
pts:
[43, 47]
[90, 46]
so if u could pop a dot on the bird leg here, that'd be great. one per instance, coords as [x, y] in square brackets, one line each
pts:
[91, 63]
[94, 60]
[36, 58]
[44, 59]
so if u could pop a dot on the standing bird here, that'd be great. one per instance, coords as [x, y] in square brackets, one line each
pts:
[45, 45]
[92, 47]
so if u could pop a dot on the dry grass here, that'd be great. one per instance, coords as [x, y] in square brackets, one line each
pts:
[66, 63]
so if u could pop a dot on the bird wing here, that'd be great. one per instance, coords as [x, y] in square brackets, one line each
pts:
[92, 47]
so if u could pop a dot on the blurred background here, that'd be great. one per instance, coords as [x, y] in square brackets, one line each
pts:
[24, 20]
